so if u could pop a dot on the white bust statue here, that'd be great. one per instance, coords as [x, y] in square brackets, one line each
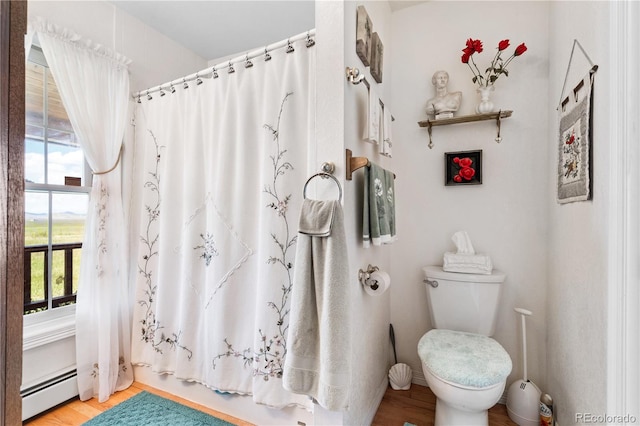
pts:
[444, 101]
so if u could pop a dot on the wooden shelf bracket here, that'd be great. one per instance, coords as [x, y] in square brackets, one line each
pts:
[354, 163]
[429, 123]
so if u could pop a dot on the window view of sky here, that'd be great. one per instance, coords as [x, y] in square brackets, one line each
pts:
[64, 161]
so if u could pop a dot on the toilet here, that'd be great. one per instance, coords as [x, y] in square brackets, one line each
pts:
[464, 367]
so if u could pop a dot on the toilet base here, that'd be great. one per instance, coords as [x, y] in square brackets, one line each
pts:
[448, 415]
[462, 406]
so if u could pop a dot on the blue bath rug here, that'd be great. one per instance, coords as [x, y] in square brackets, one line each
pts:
[147, 409]
[408, 424]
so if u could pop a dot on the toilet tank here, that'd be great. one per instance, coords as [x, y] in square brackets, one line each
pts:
[463, 302]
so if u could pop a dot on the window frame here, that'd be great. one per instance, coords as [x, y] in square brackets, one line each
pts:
[60, 314]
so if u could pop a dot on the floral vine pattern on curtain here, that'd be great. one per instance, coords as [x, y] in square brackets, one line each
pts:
[216, 191]
[268, 361]
[152, 333]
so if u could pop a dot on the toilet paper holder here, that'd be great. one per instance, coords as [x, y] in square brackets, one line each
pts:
[364, 276]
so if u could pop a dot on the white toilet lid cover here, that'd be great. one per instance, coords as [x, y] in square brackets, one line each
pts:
[464, 358]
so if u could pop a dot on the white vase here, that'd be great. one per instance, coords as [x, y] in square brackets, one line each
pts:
[485, 104]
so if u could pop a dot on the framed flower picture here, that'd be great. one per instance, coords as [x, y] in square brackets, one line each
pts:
[463, 168]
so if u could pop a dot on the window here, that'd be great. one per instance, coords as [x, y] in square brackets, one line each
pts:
[56, 194]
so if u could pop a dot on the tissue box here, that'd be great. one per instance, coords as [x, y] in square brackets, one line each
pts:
[467, 263]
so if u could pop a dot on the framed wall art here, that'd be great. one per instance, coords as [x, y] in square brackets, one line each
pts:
[364, 28]
[463, 168]
[377, 51]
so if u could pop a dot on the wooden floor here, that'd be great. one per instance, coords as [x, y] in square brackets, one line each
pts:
[416, 405]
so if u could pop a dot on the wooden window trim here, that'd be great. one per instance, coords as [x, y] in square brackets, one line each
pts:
[13, 25]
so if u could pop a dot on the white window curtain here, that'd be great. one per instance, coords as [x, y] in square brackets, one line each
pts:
[94, 86]
[220, 170]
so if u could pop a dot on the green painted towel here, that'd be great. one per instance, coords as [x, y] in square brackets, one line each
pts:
[379, 212]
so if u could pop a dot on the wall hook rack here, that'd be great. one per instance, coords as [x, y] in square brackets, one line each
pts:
[354, 76]
[429, 124]
[355, 163]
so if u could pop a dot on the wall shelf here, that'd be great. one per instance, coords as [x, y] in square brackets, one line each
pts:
[429, 124]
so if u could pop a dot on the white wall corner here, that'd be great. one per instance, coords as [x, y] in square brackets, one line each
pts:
[623, 359]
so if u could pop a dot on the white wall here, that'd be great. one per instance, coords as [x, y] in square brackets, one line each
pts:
[506, 216]
[371, 315]
[156, 58]
[578, 238]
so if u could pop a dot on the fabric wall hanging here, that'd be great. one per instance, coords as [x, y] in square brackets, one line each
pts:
[575, 138]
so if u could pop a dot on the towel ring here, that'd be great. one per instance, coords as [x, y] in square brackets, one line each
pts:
[324, 176]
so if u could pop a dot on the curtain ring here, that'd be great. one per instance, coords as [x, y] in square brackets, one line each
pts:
[310, 41]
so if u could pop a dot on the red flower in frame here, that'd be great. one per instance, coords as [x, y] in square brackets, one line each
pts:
[465, 162]
[467, 173]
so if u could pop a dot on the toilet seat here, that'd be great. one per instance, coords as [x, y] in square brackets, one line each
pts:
[464, 359]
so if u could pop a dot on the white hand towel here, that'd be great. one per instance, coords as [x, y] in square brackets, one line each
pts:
[387, 139]
[372, 129]
[318, 343]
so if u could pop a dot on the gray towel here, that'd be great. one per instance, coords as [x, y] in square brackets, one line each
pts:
[379, 212]
[318, 343]
[317, 218]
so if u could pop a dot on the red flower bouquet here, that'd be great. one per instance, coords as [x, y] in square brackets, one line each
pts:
[498, 65]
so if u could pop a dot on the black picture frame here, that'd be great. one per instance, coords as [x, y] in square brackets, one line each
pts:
[463, 168]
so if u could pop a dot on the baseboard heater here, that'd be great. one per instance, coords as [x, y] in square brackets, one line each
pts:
[43, 396]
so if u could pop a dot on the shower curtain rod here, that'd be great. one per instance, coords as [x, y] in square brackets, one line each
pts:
[213, 71]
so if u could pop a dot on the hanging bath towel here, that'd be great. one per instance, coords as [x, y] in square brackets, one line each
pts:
[379, 212]
[387, 140]
[318, 343]
[374, 116]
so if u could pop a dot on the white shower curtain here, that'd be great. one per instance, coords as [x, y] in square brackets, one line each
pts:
[221, 168]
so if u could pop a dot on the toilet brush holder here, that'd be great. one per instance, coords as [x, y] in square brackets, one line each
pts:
[400, 376]
[523, 397]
